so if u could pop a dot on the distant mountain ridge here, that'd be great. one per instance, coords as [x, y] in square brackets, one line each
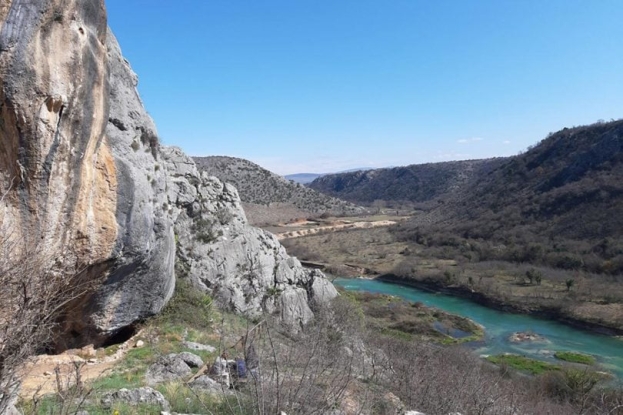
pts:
[262, 190]
[302, 178]
[559, 204]
[414, 183]
[570, 184]
[306, 178]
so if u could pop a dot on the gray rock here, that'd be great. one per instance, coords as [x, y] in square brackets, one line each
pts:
[199, 346]
[244, 268]
[134, 397]
[88, 178]
[167, 368]
[12, 410]
[70, 119]
[191, 359]
[207, 384]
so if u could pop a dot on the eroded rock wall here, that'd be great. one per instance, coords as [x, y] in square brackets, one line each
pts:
[85, 185]
[81, 188]
[245, 268]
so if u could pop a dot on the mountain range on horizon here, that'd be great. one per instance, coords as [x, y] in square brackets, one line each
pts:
[305, 178]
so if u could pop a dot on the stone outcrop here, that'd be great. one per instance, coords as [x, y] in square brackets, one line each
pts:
[135, 397]
[77, 153]
[168, 368]
[85, 185]
[245, 268]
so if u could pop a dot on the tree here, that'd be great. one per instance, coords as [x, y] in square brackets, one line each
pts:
[569, 283]
[534, 276]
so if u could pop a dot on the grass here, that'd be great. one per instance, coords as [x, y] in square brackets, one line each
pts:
[575, 357]
[118, 380]
[397, 318]
[185, 400]
[592, 299]
[522, 363]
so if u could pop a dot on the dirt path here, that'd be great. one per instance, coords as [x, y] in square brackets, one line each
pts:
[39, 376]
[342, 226]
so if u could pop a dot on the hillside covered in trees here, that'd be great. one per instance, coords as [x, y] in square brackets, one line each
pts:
[559, 204]
[414, 183]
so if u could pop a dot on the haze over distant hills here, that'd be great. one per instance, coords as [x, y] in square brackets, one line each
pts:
[268, 197]
[305, 178]
[302, 178]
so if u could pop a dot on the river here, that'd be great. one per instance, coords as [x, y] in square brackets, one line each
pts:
[500, 325]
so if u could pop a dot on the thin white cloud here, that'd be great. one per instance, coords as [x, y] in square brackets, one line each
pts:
[506, 142]
[469, 140]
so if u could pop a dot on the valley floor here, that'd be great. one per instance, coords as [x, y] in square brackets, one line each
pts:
[590, 301]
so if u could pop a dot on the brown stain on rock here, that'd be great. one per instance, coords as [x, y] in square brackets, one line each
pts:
[95, 223]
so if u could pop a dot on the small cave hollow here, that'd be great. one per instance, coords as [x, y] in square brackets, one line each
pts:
[121, 336]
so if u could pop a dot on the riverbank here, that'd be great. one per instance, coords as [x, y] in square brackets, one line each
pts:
[536, 310]
[544, 339]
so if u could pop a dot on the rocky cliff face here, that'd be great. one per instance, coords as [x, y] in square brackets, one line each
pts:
[84, 183]
[262, 191]
[245, 268]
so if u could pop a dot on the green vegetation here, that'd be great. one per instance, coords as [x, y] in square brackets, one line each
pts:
[575, 357]
[522, 363]
[189, 307]
[392, 316]
[187, 401]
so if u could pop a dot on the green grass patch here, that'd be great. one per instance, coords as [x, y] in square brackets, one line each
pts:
[118, 380]
[522, 363]
[189, 308]
[185, 400]
[575, 357]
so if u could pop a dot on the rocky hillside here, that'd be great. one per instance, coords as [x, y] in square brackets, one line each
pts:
[558, 205]
[259, 188]
[88, 190]
[414, 183]
[568, 185]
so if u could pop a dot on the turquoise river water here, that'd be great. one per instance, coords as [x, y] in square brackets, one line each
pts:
[500, 325]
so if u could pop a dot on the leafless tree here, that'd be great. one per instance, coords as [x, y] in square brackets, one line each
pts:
[32, 296]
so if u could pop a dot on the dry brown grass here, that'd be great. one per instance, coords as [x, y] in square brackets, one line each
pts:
[593, 298]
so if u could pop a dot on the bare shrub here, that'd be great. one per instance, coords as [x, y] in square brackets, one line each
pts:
[438, 380]
[308, 373]
[33, 296]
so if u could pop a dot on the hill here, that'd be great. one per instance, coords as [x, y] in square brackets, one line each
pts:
[558, 204]
[414, 183]
[269, 197]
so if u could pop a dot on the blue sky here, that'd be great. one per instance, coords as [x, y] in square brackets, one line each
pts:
[328, 85]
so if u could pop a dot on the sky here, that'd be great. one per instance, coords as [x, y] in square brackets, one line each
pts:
[329, 85]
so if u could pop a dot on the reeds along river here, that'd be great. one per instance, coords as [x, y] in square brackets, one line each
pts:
[499, 326]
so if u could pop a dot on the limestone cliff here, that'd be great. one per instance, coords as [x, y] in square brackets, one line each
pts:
[245, 268]
[85, 184]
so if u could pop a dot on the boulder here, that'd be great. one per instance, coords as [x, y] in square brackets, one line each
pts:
[207, 384]
[246, 269]
[191, 359]
[167, 368]
[134, 397]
